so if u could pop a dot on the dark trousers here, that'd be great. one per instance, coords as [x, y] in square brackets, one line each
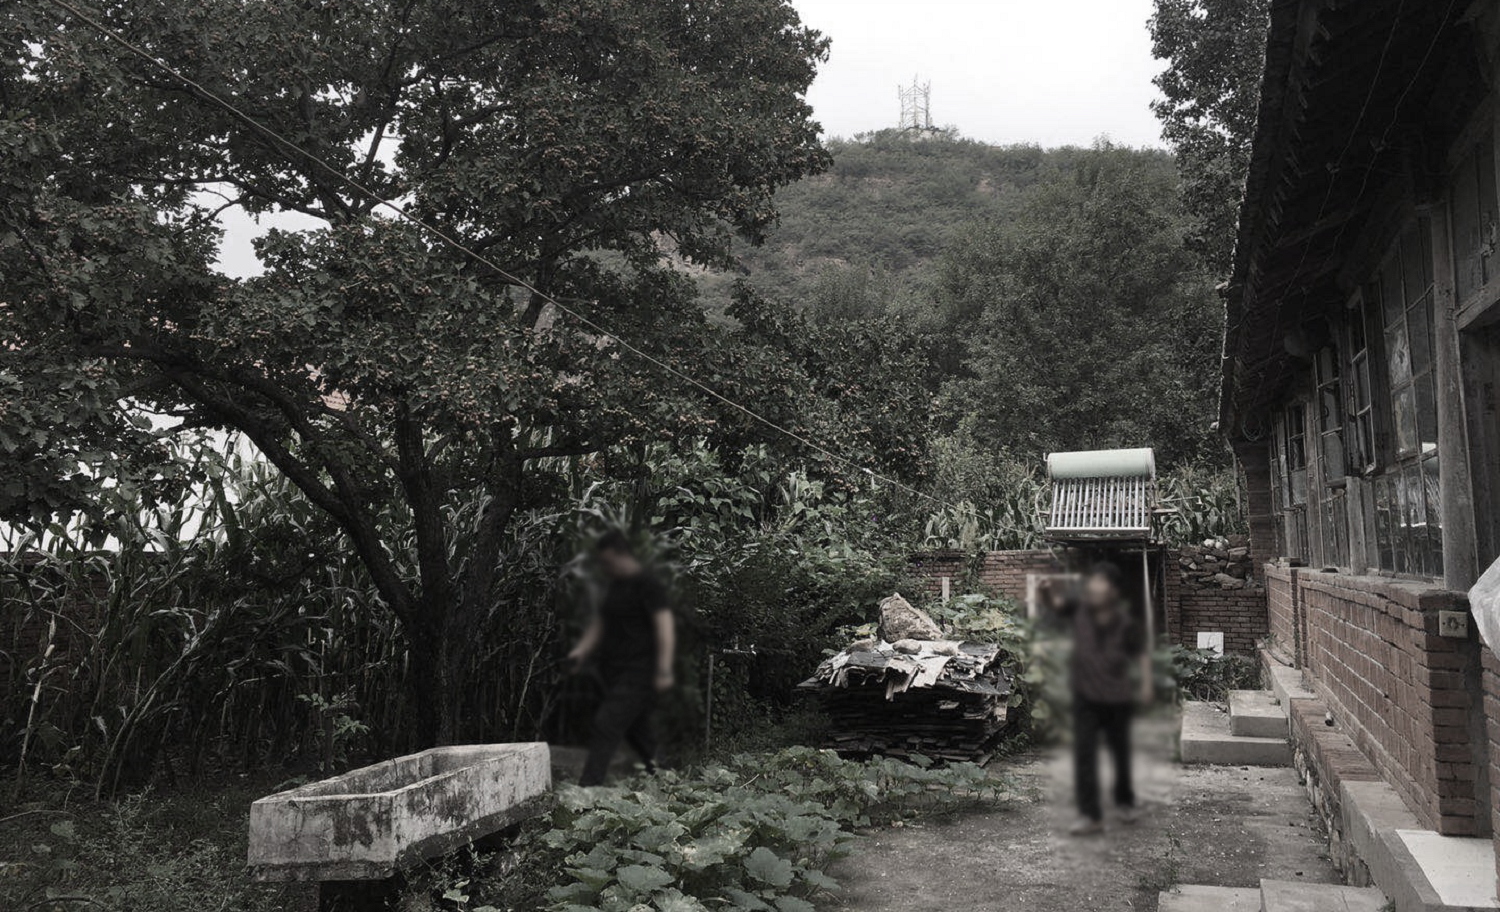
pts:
[625, 715]
[1089, 719]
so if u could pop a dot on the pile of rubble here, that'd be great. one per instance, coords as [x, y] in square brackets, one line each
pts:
[912, 691]
[1218, 563]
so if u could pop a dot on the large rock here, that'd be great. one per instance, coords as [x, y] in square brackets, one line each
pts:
[900, 620]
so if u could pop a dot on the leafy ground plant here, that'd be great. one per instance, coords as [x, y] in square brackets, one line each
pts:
[756, 833]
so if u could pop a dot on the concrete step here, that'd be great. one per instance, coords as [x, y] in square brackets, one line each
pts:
[1286, 682]
[1257, 714]
[1194, 898]
[1295, 896]
[1206, 738]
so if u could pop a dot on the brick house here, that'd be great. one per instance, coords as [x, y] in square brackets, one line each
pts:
[1361, 380]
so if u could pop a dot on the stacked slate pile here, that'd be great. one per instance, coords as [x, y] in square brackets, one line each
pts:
[919, 694]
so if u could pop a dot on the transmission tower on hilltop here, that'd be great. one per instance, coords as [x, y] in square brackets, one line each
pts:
[916, 107]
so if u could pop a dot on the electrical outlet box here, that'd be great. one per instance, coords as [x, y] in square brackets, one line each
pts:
[1453, 624]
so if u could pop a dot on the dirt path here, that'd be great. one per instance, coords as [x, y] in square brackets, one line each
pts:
[1211, 825]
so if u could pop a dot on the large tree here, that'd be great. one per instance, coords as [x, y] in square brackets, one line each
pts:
[1215, 53]
[1086, 324]
[584, 148]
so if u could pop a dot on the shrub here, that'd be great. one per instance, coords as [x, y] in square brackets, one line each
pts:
[1202, 674]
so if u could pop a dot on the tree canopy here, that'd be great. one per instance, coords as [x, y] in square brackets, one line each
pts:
[1215, 53]
[387, 374]
[1085, 323]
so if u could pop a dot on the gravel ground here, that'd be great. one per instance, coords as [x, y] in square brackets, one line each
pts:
[1227, 826]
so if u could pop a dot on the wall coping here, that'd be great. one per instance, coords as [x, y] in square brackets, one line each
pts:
[1418, 595]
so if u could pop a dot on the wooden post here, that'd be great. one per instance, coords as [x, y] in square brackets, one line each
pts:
[1460, 556]
[1149, 690]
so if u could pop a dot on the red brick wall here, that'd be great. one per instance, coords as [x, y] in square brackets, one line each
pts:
[1004, 572]
[1239, 613]
[1398, 688]
[1284, 613]
[1491, 678]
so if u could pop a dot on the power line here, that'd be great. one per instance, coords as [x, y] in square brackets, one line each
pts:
[588, 323]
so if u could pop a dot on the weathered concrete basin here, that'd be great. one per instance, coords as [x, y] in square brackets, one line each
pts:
[371, 823]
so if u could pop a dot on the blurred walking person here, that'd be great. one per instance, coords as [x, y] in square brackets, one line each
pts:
[1107, 641]
[634, 638]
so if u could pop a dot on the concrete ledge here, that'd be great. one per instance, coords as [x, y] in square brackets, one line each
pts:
[371, 823]
[1285, 681]
[1257, 714]
[1297, 896]
[1381, 828]
[1206, 739]
[1194, 898]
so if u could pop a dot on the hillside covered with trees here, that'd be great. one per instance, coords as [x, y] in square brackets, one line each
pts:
[1049, 291]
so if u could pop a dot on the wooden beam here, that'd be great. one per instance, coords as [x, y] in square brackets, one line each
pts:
[1460, 554]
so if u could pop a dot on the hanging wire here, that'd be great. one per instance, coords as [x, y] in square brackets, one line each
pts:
[214, 99]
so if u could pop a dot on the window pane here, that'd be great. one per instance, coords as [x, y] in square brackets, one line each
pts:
[1464, 206]
[1298, 481]
[1404, 420]
[1418, 319]
[1432, 493]
[1392, 296]
[1383, 525]
[1426, 414]
[1333, 457]
[1361, 443]
[1398, 356]
[1413, 271]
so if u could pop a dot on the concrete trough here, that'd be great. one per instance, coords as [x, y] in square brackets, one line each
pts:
[372, 823]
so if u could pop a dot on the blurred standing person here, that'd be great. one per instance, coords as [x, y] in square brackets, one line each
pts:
[1106, 641]
[634, 638]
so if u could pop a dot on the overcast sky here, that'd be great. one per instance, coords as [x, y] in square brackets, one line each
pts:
[1004, 71]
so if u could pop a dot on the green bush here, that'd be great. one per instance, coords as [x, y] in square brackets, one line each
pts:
[1202, 674]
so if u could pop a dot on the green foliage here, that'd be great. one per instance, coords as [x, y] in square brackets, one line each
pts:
[1204, 503]
[1202, 674]
[1089, 328]
[755, 833]
[860, 240]
[165, 853]
[1215, 54]
[395, 381]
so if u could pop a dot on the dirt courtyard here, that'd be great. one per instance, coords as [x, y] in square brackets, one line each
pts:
[1226, 826]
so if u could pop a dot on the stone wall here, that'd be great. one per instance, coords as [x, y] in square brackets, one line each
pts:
[1213, 588]
[1401, 691]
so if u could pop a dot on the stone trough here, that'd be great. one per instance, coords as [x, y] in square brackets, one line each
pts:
[372, 823]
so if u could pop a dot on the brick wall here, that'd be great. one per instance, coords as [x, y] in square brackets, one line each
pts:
[1283, 613]
[1491, 678]
[1399, 690]
[1004, 572]
[1190, 605]
[1212, 588]
[1239, 614]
